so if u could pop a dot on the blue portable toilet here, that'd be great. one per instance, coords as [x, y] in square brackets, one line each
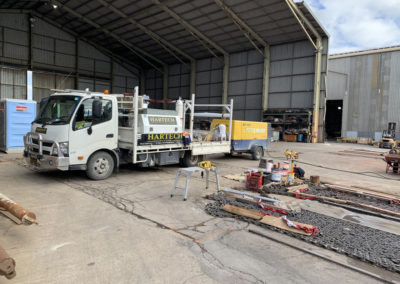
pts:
[16, 117]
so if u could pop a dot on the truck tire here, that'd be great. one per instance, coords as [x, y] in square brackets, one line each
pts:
[257, 153]
[191, 161]
[100, 166]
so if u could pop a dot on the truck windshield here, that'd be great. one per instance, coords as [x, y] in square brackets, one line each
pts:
[58, 110]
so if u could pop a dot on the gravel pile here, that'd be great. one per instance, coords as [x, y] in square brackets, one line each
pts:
[364, 243]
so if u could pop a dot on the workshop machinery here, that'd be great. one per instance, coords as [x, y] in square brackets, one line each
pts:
[388, 136]
[96, 132]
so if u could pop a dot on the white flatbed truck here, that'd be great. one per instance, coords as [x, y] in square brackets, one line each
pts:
[96, 132]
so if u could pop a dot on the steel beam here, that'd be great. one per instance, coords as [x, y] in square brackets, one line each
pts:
[243, 27]
[138, 52]
[295, 14]
[139, 13]
[225, 80]
[170, 48]
[165, 86]
[192, 77]
[267, 60]
[304, 18]
[191, 29]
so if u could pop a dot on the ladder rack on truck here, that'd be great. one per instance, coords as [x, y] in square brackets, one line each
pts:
[129, 135]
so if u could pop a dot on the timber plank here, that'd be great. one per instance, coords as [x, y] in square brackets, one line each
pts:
[254, 214]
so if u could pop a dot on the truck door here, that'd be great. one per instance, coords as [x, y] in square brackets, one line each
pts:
[93, 127]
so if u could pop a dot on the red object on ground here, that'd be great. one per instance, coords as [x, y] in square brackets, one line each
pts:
[276, 210]
[298, 196]
[254, 181]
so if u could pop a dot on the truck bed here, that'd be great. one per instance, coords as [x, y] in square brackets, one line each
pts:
[125, 141]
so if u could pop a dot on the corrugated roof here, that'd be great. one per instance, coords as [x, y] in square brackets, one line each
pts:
[365, 52]
[100, 23]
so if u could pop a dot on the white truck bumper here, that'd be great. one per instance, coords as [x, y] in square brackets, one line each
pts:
[38, 153]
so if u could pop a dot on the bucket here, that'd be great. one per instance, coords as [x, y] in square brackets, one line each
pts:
[276, 175]
[300, 137]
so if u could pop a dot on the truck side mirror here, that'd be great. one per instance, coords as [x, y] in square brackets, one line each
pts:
[97, 108]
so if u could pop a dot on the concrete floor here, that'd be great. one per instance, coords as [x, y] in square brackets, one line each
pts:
[127, 229]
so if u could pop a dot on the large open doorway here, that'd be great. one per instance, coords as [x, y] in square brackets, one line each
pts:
[333, 119]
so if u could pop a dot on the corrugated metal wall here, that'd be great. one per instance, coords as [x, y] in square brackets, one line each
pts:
[14, 39]
[291, 80]
[371, 96]
[13, 83]
[54, 60]
[124, 80]
[292, 75]
[44, 82]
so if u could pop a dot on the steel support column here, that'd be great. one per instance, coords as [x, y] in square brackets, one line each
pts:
[317, 89]
[265, 96]
[165, 85]
[30, 56]
[192, 77]
[305, 23]
[225, 80]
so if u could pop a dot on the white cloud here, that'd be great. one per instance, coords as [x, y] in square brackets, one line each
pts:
[359, 24]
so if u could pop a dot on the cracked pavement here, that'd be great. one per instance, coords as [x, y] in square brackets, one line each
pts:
[127, 229]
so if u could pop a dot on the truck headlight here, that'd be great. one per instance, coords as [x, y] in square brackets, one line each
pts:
[64, 148]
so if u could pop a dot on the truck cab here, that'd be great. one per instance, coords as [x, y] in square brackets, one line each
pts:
[75, 130]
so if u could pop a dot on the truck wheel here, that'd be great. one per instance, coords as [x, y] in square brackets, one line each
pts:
[191, 161]
[100, 166]
[257, 153]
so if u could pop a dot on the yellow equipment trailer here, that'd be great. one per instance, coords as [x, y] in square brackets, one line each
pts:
[247, 136]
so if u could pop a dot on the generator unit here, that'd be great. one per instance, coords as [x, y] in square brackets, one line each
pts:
[16, 117]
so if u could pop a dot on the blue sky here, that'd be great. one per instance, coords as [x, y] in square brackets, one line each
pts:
[359, 24]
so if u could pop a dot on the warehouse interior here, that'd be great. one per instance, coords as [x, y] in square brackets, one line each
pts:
[263, 54]
[270, 173]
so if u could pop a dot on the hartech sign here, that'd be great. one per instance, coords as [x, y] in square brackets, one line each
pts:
[156, 139]
[162, 120]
